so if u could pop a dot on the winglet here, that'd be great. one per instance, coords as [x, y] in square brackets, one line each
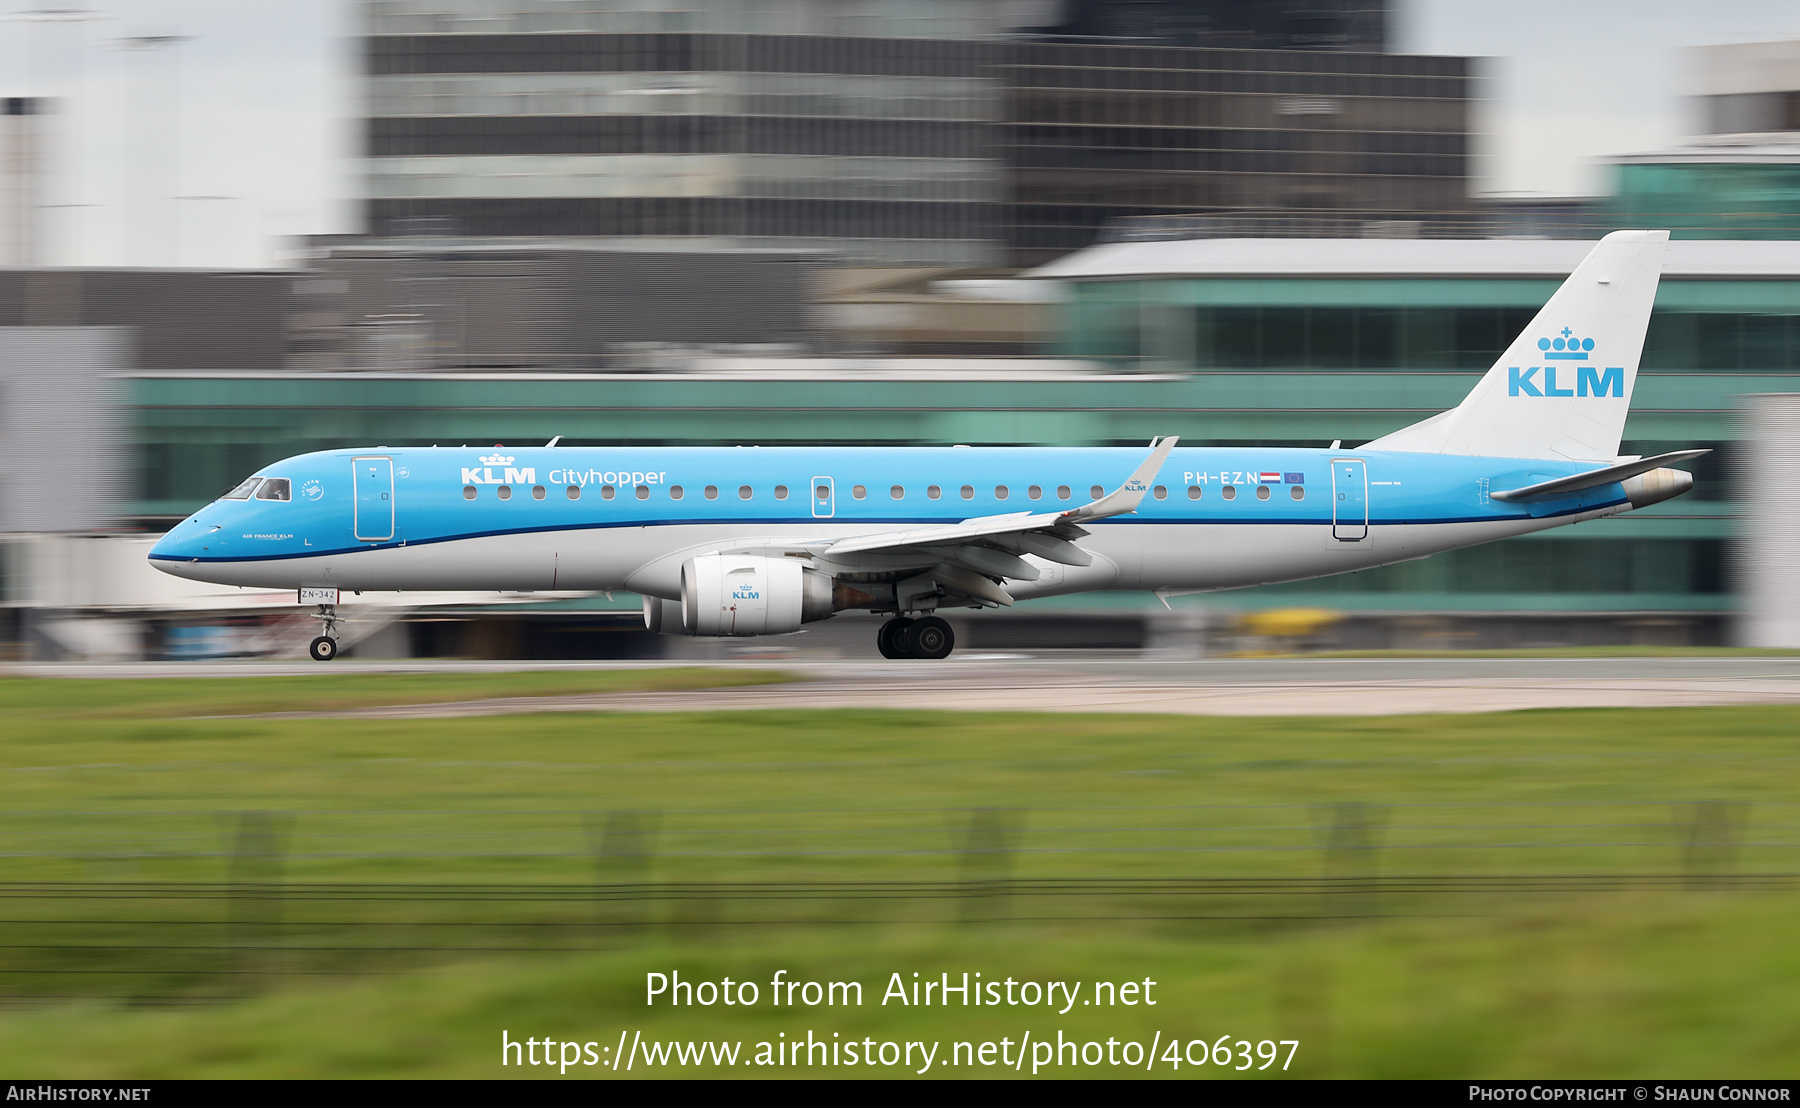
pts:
[1126, 497]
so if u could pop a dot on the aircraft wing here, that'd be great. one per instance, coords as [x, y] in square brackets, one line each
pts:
[973, 557]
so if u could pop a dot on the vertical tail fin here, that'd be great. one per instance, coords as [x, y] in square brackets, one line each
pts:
[1563, 388]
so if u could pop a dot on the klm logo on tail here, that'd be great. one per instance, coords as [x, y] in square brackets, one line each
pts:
[1589, 380]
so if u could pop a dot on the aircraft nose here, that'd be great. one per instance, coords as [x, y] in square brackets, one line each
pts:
[185, 542]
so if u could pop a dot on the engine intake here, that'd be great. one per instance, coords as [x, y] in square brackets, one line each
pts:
[744, 594]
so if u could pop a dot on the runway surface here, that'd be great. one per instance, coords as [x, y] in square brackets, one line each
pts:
[1107, 684]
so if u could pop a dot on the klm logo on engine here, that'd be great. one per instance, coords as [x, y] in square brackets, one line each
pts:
[745, 592]
[1589, 380]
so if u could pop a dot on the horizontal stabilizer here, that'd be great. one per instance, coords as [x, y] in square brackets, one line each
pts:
[1568, 486]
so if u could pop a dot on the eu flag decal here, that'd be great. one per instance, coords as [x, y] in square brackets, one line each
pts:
[1294, 478]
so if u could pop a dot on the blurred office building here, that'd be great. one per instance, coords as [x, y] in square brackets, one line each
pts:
[929, 133]
[25, 165]
[1740, 176]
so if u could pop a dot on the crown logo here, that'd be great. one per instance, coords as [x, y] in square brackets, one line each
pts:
[1566, 347]
[497, 460]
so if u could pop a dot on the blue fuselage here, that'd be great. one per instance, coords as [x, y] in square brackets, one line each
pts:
[584, 517]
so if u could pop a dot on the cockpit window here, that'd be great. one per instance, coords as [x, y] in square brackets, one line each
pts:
[243, 491]
[275, 488]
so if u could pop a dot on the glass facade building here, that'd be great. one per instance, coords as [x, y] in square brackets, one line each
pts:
[939, 133]
[1096, 134]
[1750, 192]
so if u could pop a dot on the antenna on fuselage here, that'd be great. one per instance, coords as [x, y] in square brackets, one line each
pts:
[553, 441]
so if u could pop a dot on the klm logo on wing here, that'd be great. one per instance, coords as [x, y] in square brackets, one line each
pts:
[1589, 380]
[485, 475]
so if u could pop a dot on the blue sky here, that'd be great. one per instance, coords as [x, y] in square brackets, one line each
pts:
[262, 119]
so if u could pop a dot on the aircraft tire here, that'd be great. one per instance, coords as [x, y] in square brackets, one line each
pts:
[930, 637]
[891, 639]
[323, 649]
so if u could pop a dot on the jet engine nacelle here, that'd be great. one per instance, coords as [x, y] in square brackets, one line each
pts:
[744, 594]
[663, 616]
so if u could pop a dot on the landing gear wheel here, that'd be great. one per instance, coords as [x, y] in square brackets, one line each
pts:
[930, 637]
[324, 649]
[891, 639]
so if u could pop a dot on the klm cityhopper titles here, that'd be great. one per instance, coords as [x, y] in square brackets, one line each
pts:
[759, 541]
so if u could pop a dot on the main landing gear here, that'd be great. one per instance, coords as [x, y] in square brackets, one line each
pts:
[901, 637]
[325, 647]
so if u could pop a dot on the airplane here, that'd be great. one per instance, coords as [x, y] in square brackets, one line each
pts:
[736, 541]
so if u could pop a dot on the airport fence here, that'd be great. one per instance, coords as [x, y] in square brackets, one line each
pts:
[185, 907]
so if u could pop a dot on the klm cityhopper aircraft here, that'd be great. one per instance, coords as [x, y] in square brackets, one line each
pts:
[759, 541]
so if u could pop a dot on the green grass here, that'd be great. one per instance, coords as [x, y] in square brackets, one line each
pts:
[166, 698]
[534, 827]
[1562, 652]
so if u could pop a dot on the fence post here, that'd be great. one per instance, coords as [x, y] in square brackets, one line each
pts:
[1709, 849]
[1352, 858]
[623, 844]
[259, 844]
[989, 843]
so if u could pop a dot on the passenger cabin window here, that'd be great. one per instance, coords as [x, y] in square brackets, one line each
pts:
[898, 492]
[1000, 492]
[243, 491]
[1297, 492]
[968, 492]
[1193, 492]
[606, 492]
[781, 492]
[743, 492]
[1096, 493]
[858, 491]
[275, 488]
[1063, 492]
[1262, 492]
[574, 492]
[1162, 492]
[537, 492]
[504, 492]
[934, 492]
[712, 492]
[1035, 492]
[1229, 492]
[643, 492]
[469, 491]
[676, 492]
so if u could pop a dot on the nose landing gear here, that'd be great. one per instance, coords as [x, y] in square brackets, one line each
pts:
[901, 637]
[325, 647]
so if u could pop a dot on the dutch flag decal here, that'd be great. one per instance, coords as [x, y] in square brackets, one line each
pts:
[1271, 478]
